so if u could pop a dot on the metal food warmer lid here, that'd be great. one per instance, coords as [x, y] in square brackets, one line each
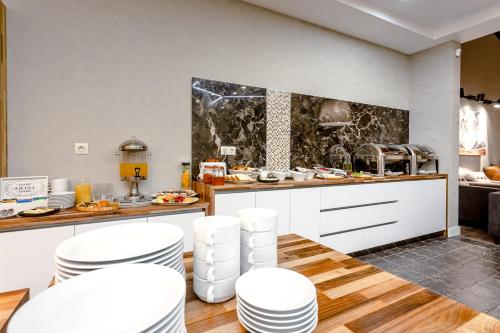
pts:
[422, 152]
[133, 145]
[388, 151]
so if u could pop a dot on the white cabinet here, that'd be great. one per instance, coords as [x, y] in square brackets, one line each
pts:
[278, 200]
[80, 228]
[183, 220]
[423, 207]
[26, 257]
[304, 212]
[231, 203]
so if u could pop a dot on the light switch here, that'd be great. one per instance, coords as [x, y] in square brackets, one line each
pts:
[228, 150]
[81, 148]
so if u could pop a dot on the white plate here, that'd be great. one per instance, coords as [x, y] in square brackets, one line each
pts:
[70, 272]
[279, 327]
[120, 242]
[252, 326]
[275, 316]
[153, 258]
[171, 320]
[96, 302]
[279, 322]
[268, 289]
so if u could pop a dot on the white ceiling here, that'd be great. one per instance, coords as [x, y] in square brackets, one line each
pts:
[407, 26]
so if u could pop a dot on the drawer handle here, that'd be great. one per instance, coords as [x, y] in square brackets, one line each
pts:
[362, 205]
[360, 228]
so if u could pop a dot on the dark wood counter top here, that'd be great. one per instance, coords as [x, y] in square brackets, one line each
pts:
[353, 296]
[73, 216]
[207, 192]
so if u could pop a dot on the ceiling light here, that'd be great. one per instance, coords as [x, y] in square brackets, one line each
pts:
[497, 104]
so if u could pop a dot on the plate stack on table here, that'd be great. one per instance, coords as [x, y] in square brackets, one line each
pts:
[259, 238]
[276, 300]
[216, 257]
[62, 199]
[151, 243]
[140, 298]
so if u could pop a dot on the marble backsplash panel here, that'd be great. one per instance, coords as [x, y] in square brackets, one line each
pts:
[311, 143]
[228, 114]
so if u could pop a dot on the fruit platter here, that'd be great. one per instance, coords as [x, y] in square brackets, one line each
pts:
[174, 199]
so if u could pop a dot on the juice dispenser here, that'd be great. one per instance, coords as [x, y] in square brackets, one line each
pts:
[133, 165]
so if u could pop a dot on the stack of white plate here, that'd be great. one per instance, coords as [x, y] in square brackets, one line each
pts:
[152, 243]
[216, 257]
[276, 300]
[139, 298]
[259, 238]
[62, 199]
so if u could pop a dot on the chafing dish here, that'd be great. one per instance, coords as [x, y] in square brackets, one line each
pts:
[379, 159]
[424, 159]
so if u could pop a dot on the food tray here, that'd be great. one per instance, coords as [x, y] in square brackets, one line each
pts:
[175, 203]
[112, 206]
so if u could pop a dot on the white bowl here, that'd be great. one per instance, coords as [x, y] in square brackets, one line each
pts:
[310, 175]
[214, 292]
[216, 253]
[298, 176]
[217, 271]
[212, 230]
[260, 254]
[258, 219]
[258, 239]
[279, 174]
[246, 267]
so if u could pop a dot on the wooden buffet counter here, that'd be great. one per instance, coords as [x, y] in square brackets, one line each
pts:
[353, 296]
[207, 192]
[73, 216]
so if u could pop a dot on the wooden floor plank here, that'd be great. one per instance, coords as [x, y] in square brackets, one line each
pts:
[353, 297]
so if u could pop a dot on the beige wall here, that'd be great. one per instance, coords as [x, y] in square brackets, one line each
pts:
[434, 112]
[481, 74]
[480, 67]
[101, 71]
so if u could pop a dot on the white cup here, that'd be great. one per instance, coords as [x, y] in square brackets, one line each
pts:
[260, 254]
[214, 292]
[258, 219]
[246, 267]
[217, 271]
[59, 185]
[211, 230]
[258, 239]
[216, 253]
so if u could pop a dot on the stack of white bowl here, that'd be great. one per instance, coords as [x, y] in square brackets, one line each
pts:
[62, 199]
[276, 300]
[152, 243]
[139, 298]
[216, 257]
[259, 238]
[60, 196]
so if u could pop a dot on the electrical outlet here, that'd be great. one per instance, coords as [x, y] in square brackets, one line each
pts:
[81, 148]
[228, 150]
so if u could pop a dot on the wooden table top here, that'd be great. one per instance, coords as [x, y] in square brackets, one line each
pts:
[73, 216]
[353, 296]
[9, 303]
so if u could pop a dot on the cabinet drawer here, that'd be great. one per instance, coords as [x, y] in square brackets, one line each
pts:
[342, 220]
[231, 203]
[346, 243]
[81, 228]
[355, 195]
[182, 220]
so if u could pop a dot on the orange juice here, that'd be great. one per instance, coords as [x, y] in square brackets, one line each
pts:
[83, 192]
[128, 170]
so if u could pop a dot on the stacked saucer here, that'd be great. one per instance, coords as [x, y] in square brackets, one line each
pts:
[216, 257]
[138, 298]
[276, 300]
[153, 243]
[62, 199]
[259, 238]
